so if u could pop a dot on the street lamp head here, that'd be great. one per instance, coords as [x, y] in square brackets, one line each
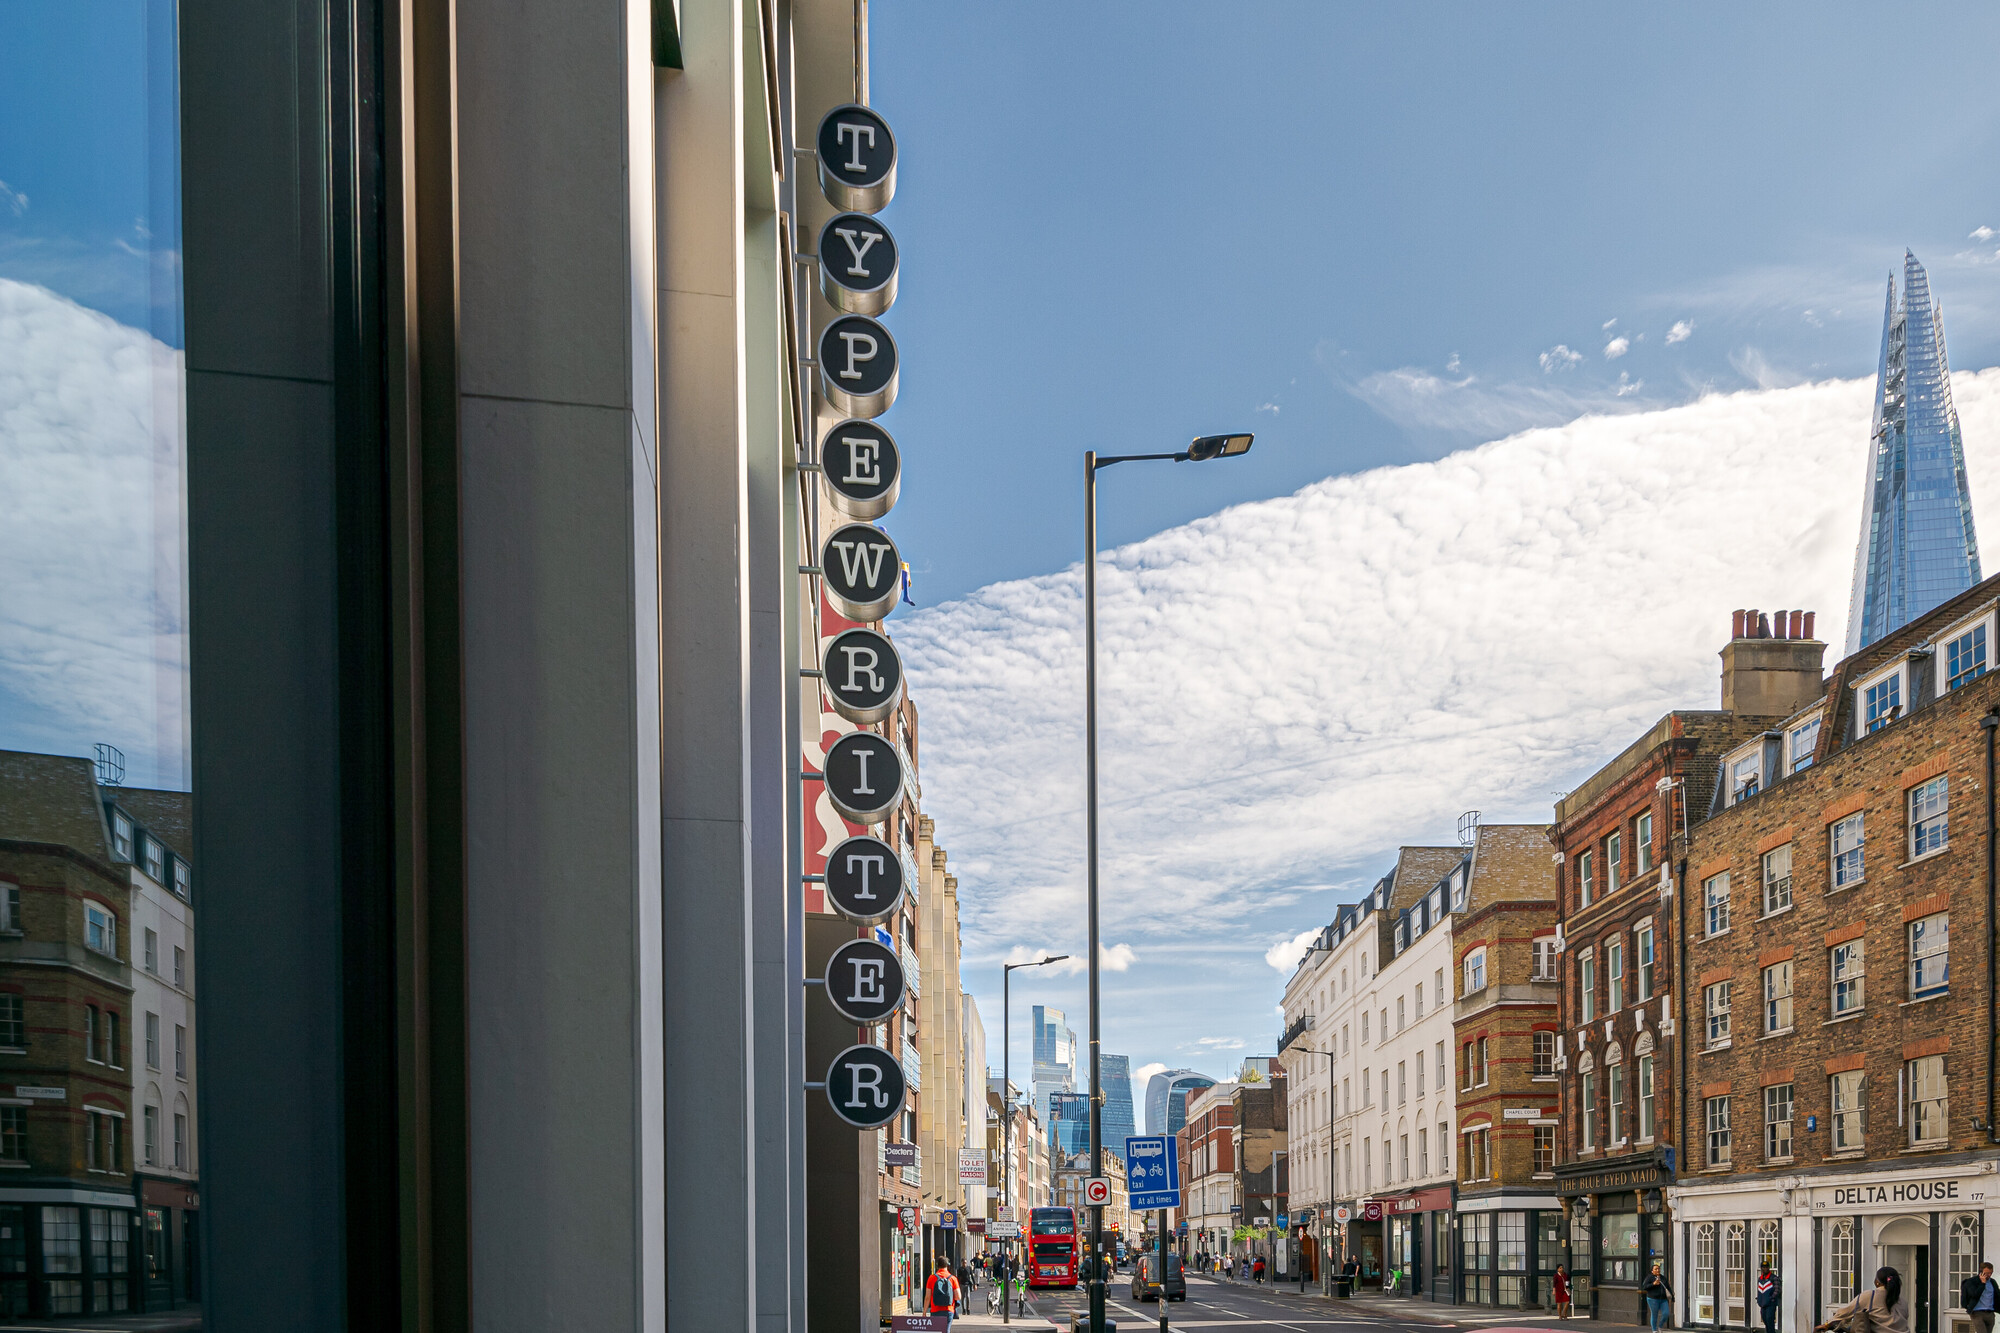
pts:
[1053, 958]
[1218, 446]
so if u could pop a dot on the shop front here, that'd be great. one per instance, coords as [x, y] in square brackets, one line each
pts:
[1616, 1231]
[1509, 1243]
[1828, 1233]
[1417, 1241]
[67, 1252]
[1364, 1241]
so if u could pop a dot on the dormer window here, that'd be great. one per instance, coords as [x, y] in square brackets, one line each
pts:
[1965, 655]
[1746, 776]
[155, 859]
[183, 878]
[121, 834]
[1882, 699]
[1800, 742]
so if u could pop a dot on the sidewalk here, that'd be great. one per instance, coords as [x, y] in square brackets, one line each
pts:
[186, 1320]
[1414, 1310]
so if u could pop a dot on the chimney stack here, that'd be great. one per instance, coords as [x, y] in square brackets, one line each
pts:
[1771, 671]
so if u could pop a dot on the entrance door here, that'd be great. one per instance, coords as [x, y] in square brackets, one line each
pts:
[1735, 1260]
[1914, 1263]
[1371, 1257]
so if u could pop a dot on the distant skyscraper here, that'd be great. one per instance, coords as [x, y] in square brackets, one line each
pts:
[1117, 1123]
[1917, 545]
[1166, 1099]
[1055, 1059]
[1069, 1126]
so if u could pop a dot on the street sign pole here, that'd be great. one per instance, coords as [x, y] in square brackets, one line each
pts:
[1163, 1271]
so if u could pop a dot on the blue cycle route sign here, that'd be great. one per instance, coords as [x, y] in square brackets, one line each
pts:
[1152, 1172]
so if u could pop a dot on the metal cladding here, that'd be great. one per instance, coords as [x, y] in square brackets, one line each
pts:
[857, 159]
[857, 264]
[862, 570]
[864, 777]
[862, 468]
[1917, 547]
[864, 879]
[865, 981]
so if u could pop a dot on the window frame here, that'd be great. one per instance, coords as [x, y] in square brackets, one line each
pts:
[1585, 878]
[1847, 977]
[1915, 960]
[100, 926]
[1953, 676]
[1845, 874]
[1807, 732]
[1543, 1054]
[1715, 904]
[1712, 1039]
[1614, 975]
[1642, 843]
[1927, 806]
[1779, 1143]
[1872, 713]
[1847, 1114]
[1932, 1069]
[1643, 958]
[1614, 861]
[1716, 1135]
[1475, 965]
[1776, 983]
[1586, 985]
[1777, 889]
[1648, 1106]
[1586, 1105]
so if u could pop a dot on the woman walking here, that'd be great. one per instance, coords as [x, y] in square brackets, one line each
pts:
[1878, 1310]
[1559, 1292]
[1659, 1299]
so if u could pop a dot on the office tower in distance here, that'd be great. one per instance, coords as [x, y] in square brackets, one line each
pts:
[1166, 1099]
[1069, 1126]
[1117, 1124]
[1055, 1059]
[1917, 545]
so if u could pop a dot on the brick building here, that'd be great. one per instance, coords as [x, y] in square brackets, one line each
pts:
[1617, 838]
[1838, 904]
[72, 854]
[1501, 902]
[1211, 1206]
[1257, 1132]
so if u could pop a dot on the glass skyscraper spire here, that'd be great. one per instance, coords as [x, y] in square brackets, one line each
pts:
[1917, 545]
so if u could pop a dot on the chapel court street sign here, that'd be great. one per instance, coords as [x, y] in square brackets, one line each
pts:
[862, 468]
[863, 675]
[864, 880]
[865, 1087]
[857, 264]
[1152, 1172]
[857, 366]
[862, 572]
[857, 159]
[864, 981]
[864, 777]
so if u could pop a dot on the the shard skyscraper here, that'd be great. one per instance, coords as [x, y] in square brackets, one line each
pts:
[1917, 545]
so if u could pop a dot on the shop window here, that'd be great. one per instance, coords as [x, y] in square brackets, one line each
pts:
[1929, 812]
[1962, 1249]
[1930, 955]
[62, 1252]
[1767, 1244]
[1618, 1248]
[1716, 1120]
[1715, 903]
[1778, 1121]
[1704, 1273]
[1735, 1277]
[1778, 998]
[1847, 1094]
[1841, 1261]
[110, 1257]
[1924, 1081]
[1848, 846]
[1510, 1254]
[1777, 879]
[1477, 1260]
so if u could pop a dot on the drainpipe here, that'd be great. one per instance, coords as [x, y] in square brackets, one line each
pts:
[1989, 724]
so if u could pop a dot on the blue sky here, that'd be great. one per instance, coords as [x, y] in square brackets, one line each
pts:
[1124, 225]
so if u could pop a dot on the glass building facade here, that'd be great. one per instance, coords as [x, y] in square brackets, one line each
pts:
[1917, 545]
[1116, 1071]
[1055, 1059]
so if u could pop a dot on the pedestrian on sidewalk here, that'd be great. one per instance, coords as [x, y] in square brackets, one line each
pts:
[1877, 1310]
[1559, 1292]
[941, 1292]
[1979, 1295]
[1767, 1297]
[1660, 1300]
[1257, 1269]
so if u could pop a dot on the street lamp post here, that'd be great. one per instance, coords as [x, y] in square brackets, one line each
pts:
[1201, 450]
[1007, 1100]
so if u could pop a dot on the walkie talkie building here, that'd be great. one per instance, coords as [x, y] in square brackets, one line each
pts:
[1917, 544]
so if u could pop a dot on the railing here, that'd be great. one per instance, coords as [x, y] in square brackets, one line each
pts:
[913, 1066]
[1300, 1025]
[912, 966]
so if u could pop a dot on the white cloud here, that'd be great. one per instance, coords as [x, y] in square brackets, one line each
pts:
[13, 200]
[91, 608]
[1285, 954]
[1616, 348]
[1111, 958]
[1144, 1073]
[1453, 364]
[1116, 957]
[1417, 399]
[1682, 330]
[1291, 688]
[1559, 357]
[1609, 322]
[1220, 1043]
[1628, 386]
[1753, 365]
[1272, 408]
[1983, 234]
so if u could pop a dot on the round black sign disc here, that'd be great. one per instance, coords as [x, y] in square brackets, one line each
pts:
[865, 1087]
[864, 880]
[864, 777]
[857, 264]
[857, 159]
[857, 366]
[863, 675]
[863, 571]
[864, 981]
[862, 468]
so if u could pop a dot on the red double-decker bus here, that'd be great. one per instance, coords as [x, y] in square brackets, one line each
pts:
[1052, 1247]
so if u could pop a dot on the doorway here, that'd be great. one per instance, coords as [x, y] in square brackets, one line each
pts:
[1913, 1262]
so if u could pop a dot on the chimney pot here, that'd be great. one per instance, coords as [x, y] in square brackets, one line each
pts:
[1798, 626]
[1736, 625]
[1809, 625]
